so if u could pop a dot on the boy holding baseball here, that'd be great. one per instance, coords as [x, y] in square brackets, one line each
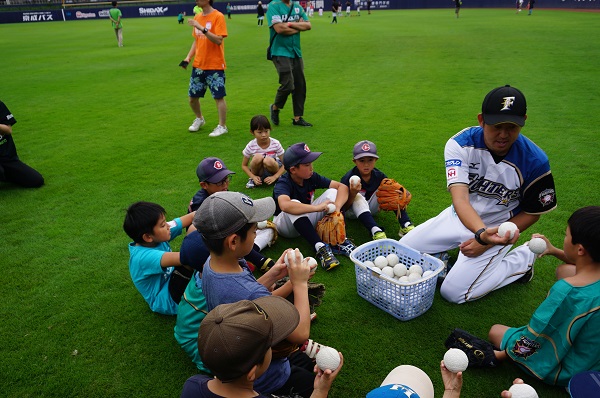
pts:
[558, 341]
[256, 327]
[227, 222]
[156, 271]
[362, 200]
[297, 211]
[263, 156]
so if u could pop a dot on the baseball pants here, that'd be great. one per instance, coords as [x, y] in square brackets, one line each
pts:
[361, 205]
[285, 221]
[471, 277]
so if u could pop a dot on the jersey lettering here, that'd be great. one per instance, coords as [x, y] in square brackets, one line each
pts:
[453, 162]
[493, 190]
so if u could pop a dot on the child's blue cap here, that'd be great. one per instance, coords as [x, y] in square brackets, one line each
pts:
[212, 170]
[299, 154]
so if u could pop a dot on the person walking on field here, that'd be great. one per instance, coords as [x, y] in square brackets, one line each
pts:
[286, 20]
[115, 17]
[208, 71]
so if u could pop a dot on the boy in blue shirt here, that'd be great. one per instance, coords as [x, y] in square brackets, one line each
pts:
[156, 271]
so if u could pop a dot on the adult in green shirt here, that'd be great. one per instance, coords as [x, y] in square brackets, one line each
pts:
[286, 20]
[115, 16]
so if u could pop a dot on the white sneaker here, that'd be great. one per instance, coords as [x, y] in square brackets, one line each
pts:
[219, 130]
[198, 122]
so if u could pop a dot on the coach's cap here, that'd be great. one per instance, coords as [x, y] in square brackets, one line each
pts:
[212, 170]
[504, 105]
[363, 149]
[404, 381]
[224, 213]
[235, 337]
[298, 154]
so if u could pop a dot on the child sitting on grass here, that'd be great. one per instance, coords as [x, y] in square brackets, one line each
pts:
[362, 199]
[228, 223]
[263, 156]
[559, 340]
[155, 270]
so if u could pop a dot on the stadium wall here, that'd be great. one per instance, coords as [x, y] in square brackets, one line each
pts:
[144, 10]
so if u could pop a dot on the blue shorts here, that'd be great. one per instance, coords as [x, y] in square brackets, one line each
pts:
[200, 80]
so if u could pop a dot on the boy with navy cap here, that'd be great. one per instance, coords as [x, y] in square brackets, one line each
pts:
[494, 174]
[298, 212]
[362, 200]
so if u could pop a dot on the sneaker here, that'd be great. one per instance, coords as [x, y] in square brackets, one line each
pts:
[198, 122]
[379, 235]
[404, 230]
[326, 258]
[301, 122]
[344, 248]
[250, 183]
[444, 256]
[527, 276]
[274, 115]
[219, 130]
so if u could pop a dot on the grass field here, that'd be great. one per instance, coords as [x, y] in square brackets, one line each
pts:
[107, 126]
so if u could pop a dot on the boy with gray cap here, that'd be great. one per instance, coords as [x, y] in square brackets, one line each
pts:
[227, 222]
[298, 212]
[362, 200]
[236, 343]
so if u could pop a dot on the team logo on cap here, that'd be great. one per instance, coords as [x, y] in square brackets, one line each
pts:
[218, 165]
[247, 201]
[366, 147]
[508, 102]
[306, 148]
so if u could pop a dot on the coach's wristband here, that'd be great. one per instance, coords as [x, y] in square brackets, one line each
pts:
[478, 237]
[205, 31]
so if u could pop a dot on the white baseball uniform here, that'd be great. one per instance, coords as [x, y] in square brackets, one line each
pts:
[499, 188]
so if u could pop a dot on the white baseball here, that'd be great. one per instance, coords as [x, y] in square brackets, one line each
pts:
[312, 263]
[414, 277]
[389, 271]
[330, 208]
[286, 260]
[427, 273]
[415, 269]
[328, 358]
[537, 245]
[392, 259]
[380, 261]
[369, 264]
[456, 360]
[403, 279]
[507, 227]
[523, 391]
[354, 180]
[400, 269]
[261, 225]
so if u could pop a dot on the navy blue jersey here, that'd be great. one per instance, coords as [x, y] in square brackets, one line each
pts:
[367, 188]
[303, 193]
[197, 200]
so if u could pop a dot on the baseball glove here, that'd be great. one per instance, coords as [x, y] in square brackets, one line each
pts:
[391, 195]
[480, 352]
[332, 228]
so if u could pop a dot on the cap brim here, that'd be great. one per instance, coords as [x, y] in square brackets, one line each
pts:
[264, 209]
[283, 315]
[219, 176]
[412, 377]
[365, 154]
[497, 119]
[310, 157]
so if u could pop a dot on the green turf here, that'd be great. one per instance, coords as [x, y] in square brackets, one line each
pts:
[107, 126]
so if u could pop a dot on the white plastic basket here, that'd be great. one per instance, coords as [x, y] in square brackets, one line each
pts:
[404, 301]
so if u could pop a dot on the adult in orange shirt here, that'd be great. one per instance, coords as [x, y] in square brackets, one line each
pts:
[208, 70]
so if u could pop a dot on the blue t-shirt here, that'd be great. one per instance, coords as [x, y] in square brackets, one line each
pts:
[304, 193]
[150, 279]
[197, 387]
[367, 188]
[225, 288]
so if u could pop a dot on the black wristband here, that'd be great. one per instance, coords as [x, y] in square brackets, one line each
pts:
[205, 31]
[478, 237]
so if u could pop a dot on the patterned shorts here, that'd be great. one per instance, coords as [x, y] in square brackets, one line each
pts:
[200, 80]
